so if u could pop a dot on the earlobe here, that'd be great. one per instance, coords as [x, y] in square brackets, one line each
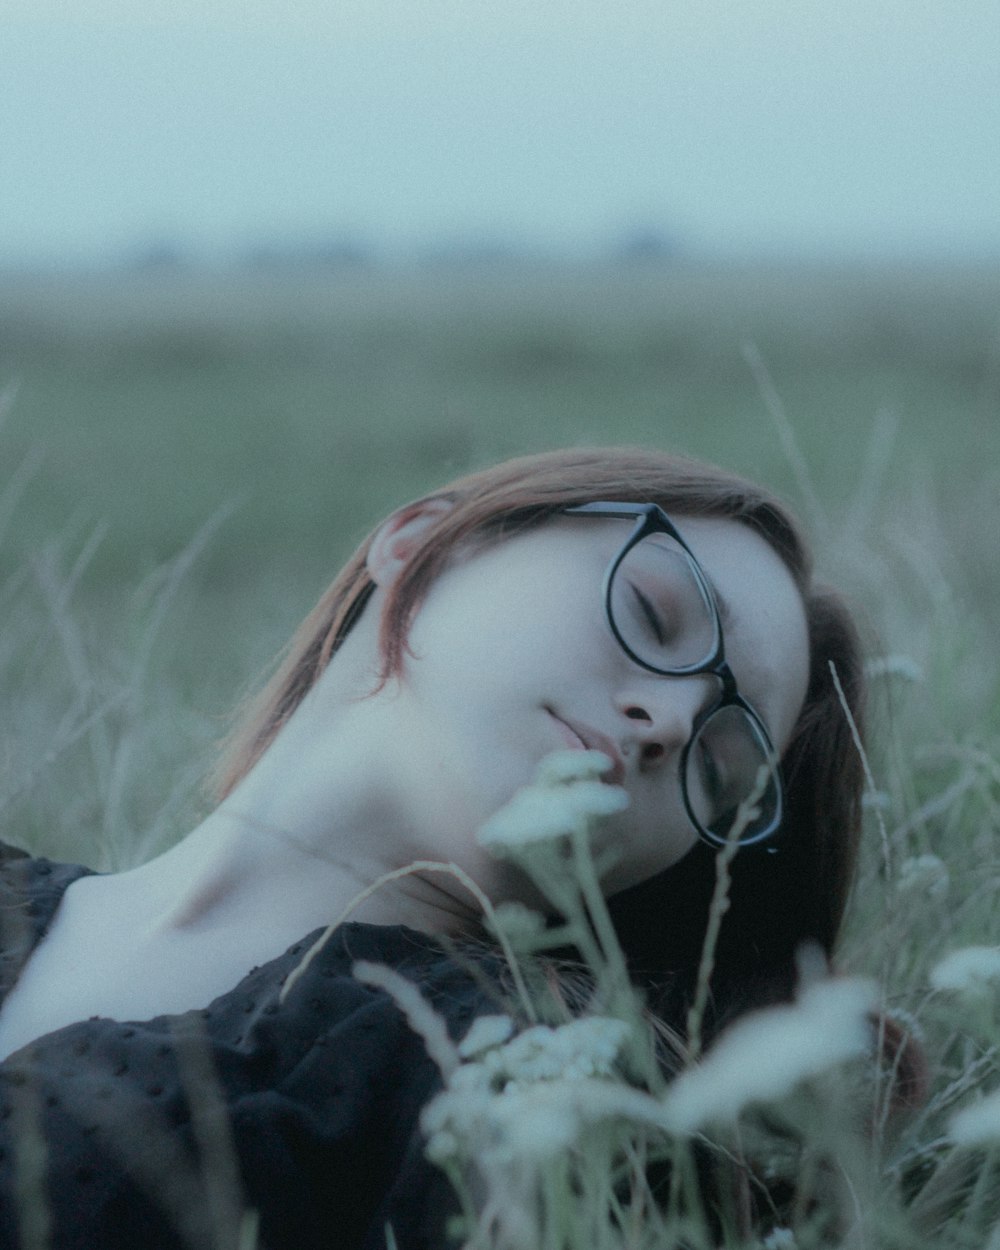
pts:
[400, 535]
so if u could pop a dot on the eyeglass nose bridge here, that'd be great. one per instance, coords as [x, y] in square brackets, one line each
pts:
[728, 695]
[730, 692]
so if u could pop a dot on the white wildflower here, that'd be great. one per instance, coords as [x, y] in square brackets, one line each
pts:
[564, 767]
[532, 815]
[485, 1033]
[540, 1121]
[924, 874]
[539, 813]
[970, 969]
[978, 1125]
[530, 1123]
[441, 1145]
[765, 1055]
[895, 666]
[529, 1098]
[582, 1048]
[779, 1239]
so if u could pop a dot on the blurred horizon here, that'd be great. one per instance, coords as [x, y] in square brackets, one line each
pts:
[339, 260]
[568, 132]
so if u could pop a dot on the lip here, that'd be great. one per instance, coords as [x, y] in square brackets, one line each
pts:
[579, 736]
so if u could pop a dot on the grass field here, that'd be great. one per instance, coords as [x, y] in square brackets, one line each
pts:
[189, 457]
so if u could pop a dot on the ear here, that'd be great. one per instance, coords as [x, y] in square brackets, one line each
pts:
[397, 538]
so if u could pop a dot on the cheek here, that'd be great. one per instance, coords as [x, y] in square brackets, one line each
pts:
[501, 643]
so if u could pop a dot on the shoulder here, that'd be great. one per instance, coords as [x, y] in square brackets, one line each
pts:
[34, 880]
[31, 889]
[321, 1086]
[312, 991]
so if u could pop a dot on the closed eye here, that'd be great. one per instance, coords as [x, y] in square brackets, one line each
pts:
[649, 613]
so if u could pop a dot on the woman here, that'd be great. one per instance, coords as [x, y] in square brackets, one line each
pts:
[466, 639]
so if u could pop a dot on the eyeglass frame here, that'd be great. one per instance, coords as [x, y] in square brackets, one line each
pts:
[651, 519]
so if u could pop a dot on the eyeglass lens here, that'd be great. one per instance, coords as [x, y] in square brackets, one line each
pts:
[662, 613]
[722, 769]
[660, 607]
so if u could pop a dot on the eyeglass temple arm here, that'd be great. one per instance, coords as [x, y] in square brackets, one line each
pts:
[613, 509]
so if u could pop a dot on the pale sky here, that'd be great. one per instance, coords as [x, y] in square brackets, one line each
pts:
[859, 126]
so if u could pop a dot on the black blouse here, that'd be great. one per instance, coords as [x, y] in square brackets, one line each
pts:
[152, 1135]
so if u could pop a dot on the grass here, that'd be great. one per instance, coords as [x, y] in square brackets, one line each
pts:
[189, 457]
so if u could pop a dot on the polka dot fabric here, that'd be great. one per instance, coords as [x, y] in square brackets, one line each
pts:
[156, 1135]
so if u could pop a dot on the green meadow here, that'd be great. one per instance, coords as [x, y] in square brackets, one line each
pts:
[188, 457]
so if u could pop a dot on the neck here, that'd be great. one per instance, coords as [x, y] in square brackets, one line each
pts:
[279, 858]
[323, 815]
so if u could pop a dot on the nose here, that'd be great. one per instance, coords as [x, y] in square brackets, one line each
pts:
[661, 714]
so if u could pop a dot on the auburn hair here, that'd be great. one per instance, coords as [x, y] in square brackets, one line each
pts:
[791, 890]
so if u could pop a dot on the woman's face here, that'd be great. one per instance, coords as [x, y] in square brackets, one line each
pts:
[511, 657]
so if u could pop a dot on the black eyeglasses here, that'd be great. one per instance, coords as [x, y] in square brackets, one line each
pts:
[664, 614]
